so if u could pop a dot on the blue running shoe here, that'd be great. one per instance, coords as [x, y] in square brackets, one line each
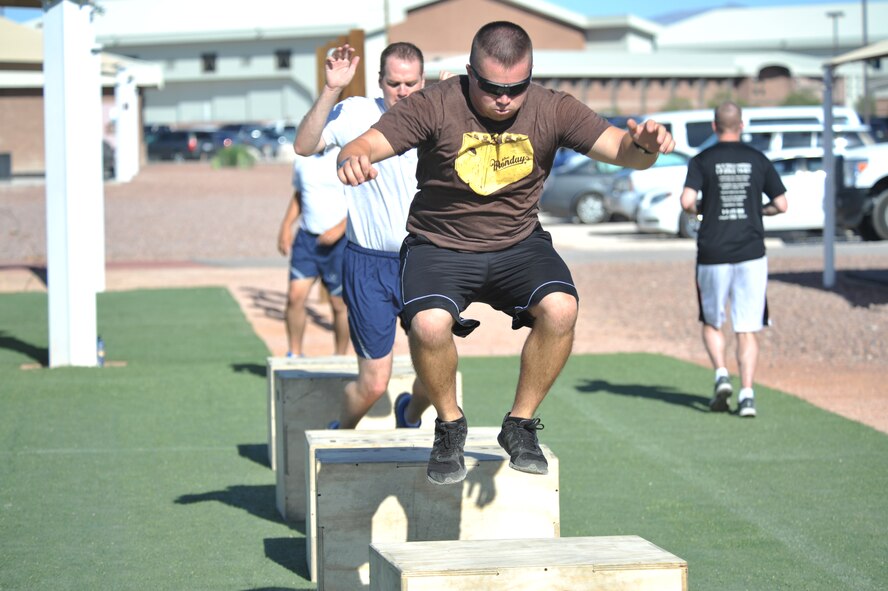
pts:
[401, 403]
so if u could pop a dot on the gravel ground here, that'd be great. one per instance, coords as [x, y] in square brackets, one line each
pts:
[827, 346]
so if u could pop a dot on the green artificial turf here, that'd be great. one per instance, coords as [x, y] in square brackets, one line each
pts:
[153, 475]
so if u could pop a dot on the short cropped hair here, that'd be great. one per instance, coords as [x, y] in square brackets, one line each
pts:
[728, 117]
[505, 42]
[403, 51]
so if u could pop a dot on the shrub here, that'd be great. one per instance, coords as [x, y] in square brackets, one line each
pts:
[234, 156]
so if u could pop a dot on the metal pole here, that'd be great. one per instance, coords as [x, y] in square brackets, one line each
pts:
[829, 194]
[835, 15]
[867, 116]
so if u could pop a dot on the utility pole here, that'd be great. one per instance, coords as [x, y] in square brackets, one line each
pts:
[866, 102]
[835, 15]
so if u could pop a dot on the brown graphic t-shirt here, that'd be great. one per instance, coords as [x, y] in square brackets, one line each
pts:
[480, 181]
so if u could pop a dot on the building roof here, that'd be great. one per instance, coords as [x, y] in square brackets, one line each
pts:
[872, 51]
[783, 28]
[661, 64]
[21, 60]
[20, 45]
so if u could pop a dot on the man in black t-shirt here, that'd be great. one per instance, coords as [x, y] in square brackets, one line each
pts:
[731, 261]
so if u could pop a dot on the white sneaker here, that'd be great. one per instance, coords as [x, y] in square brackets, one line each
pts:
[747, 407]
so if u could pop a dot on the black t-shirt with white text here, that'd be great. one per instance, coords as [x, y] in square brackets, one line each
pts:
[732, 177]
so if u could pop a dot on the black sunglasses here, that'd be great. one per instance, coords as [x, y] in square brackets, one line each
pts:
[497, 89]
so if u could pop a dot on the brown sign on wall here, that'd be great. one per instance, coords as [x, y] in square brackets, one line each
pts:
[355, 38]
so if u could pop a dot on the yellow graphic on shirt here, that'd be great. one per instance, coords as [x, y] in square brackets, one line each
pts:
[489, 162]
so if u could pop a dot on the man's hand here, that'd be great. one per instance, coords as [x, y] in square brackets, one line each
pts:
[355, 170]
[651, 136]
[332, 235]
[285, 239]
[340, 67]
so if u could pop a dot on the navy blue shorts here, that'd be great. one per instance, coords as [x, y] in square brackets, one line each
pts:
[373, 297]
[511, 280]
[308, 259]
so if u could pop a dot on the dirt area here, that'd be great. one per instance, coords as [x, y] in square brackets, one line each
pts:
[190, 225]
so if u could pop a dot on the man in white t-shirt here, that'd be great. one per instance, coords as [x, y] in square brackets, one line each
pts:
[318, 249]
[377, 220]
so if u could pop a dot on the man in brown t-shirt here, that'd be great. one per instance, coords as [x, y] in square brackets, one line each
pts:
[486, 142]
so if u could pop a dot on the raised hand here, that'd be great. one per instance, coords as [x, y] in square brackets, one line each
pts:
[340, 67]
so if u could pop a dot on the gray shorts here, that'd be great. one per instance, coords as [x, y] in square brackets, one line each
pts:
[743, 285]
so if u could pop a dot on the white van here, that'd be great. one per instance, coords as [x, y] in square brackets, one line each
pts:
[691, 129]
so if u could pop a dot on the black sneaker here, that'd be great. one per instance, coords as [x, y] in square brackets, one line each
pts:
[723, 391]
[747, 407]
[401, 403]
[518, 437]
[447, 464]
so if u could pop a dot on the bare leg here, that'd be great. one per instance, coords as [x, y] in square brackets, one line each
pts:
[435, 360]
[747, 357]
[360, 395]
[714, 341]
[297, 295]
[418, 403]
[340, 325]
[545, 352]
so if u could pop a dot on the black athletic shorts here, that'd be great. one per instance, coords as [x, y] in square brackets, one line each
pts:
[510, 280]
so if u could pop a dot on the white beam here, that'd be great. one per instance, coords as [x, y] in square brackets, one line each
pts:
[74, 192]
[126, 127]
[829, 194]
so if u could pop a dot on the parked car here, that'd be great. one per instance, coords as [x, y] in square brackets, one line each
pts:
[590, 191]
[181, 145]
[107, 160]
[772, 138]
[691, 128]
[803, 176]
[870, 216]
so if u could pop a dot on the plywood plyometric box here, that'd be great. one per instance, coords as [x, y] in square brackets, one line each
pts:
[341, 363]
[354, 439]
[607, 563]
[369, 496]
[309, 399]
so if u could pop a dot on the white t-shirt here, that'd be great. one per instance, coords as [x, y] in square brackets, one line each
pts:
[323, 196]
[377, 210]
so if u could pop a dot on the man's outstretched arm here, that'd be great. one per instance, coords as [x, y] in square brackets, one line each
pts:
[339, 70]
[357, 157]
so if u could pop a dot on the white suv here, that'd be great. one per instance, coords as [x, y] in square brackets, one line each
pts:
[870, 216]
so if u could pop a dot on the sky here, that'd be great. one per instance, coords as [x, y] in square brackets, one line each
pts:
[648, 9]
[652, 8]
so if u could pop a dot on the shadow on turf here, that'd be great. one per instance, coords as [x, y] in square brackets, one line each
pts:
[698, 403]
[251, 368]
[38, 354]
[257, 452]
[289, 553]
[257, 500]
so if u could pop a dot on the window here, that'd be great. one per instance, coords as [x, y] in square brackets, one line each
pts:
[282, 56]
[797, 139]
[209, 62]
[698, 132]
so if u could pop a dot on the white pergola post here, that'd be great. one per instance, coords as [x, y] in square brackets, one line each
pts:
[829, 194]
[74, 193]
[126, 106]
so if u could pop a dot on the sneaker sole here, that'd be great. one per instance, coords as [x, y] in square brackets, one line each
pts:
[448, 478]
[533, 468]
[747, 413]
[720, 402]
